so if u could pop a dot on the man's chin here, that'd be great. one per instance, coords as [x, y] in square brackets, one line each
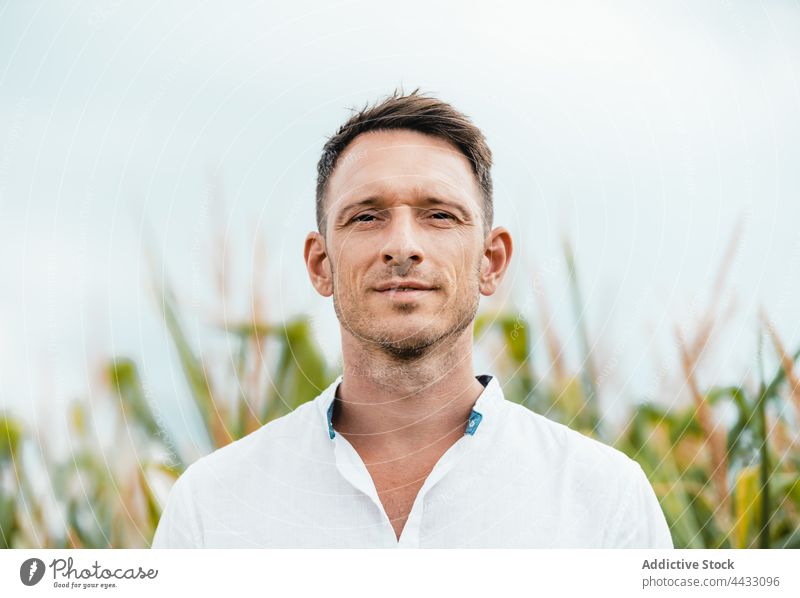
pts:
[406, 344]
[406, 351]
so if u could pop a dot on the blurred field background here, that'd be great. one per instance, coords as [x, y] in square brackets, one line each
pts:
[645, 164]
[725, 466]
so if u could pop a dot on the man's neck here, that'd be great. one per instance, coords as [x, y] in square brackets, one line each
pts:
[385, 407]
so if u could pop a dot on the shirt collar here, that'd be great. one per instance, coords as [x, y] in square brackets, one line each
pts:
[485, 407]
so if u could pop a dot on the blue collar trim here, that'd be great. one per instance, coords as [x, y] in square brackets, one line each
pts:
[473, 423]
[330, 419]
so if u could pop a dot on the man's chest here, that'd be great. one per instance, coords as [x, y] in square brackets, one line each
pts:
[398, 486]
[397, 501]
[398, 476]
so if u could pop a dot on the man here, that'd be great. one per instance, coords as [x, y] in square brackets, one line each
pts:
[408, 448]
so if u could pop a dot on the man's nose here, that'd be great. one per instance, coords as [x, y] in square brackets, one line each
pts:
[403, 244]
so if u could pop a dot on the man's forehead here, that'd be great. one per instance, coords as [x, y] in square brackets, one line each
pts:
[400, 164]
[415, 188]
[401, 148]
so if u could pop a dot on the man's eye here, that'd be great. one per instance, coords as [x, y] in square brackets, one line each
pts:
[361, 216]
[444, 215]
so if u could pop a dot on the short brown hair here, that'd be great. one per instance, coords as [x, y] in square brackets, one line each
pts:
[416, 112]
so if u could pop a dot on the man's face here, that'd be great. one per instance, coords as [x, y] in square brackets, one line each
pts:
[404, 208]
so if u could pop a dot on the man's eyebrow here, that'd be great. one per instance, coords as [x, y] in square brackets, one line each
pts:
[369, 201]
[377, 200]
[435, 201]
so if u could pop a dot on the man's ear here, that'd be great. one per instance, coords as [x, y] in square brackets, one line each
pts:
[497, 251]
[318, 264]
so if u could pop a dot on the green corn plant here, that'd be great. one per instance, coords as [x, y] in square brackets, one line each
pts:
[568, 396]
[229, 413]
[762, 484]
[10, 490]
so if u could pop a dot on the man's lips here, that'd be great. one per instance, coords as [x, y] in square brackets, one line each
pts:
[404, 286]
[400, 294]
[404, 290]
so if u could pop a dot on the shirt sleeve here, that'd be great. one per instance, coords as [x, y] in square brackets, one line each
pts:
[178, 526]
[641, 522]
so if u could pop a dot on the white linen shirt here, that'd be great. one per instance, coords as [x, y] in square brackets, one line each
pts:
[514, 480]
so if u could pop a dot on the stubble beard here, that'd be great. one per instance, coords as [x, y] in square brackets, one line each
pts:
[410, 347]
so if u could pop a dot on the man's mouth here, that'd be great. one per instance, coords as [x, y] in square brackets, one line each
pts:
[404, 286]
[407, 290]
[405, 294]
